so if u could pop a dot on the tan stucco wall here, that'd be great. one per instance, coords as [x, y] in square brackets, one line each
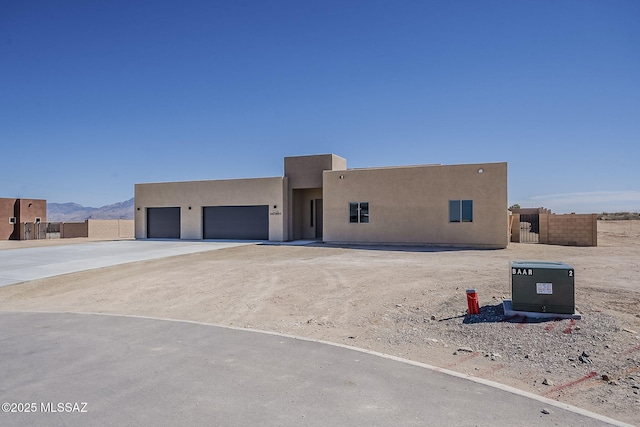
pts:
[302, 228]
[515, 227]
[304, 174]
[30, 209]
[7, 211]
[411, 205]
[198, 194]
[306, 171]
[24, 211]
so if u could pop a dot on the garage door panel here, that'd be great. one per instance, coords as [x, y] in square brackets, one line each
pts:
[163, 223]
[236, 222]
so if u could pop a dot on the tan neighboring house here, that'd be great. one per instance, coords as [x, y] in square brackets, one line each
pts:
[319, 198]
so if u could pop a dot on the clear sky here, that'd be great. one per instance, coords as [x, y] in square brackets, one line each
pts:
[96, 96]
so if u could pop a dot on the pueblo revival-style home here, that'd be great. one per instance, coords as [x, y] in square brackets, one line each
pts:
[319, 198]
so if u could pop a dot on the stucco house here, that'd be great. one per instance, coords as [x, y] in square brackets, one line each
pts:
[14, 213]
[319, 198]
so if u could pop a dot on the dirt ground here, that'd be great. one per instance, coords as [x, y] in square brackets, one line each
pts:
[405, 301]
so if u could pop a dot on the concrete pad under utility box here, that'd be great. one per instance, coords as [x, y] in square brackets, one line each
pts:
[507, 306]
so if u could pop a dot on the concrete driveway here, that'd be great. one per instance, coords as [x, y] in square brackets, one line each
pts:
[21, 265]
[85, 369]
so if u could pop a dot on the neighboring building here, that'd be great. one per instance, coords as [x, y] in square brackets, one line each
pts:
[319, 198]
[14, 212]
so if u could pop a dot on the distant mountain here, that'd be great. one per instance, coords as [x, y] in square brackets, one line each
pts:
[69, 212]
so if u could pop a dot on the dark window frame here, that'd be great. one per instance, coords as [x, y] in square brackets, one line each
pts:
[358, 212]
[460, 211]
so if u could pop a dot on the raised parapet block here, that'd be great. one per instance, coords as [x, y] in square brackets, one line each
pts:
[306, 171]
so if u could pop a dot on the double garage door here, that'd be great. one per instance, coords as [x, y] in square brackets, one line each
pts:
[218, 222]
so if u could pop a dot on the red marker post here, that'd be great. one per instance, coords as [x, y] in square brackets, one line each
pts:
[472, 302]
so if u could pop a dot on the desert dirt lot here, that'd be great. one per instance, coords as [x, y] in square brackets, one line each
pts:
[409, 302]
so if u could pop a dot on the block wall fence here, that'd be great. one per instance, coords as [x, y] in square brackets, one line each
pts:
[564, 230]
[70, 230]
[569, 230]
[107, 229]
[110, 228]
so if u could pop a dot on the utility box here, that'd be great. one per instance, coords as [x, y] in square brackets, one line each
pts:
[542, 287]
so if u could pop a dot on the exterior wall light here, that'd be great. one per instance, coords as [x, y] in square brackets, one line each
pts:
[480, 170]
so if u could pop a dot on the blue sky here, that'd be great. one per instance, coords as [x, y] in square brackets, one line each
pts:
[96, 96]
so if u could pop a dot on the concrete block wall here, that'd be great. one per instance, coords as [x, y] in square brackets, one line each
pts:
[110, 229]
[569, 230]
[126, 228]
[70, 230]
[543, 236]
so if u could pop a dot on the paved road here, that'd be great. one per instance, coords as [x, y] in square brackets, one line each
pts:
[146, 372]
[21, 265]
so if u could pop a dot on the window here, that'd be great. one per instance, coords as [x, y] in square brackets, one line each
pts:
[467, 211]
[38, 219]
[460, 210]
[12, 220]
[359, 212]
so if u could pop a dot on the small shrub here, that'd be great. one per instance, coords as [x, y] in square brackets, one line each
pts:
[606, 216]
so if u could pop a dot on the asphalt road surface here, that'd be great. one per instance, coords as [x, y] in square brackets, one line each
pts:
[85, 369]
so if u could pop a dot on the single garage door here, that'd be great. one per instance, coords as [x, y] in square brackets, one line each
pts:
[163, 223]
[236, 222]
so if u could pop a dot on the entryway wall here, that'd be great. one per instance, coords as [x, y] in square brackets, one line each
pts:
[305, 213]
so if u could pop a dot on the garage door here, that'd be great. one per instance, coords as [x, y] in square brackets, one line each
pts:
[236, 222]
[163, 223]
